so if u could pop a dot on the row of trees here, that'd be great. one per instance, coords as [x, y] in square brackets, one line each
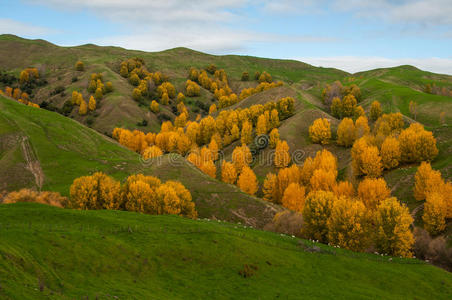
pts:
[77, 99]
[140, 193]
[264, 86]
[19, 95]
[226, 127]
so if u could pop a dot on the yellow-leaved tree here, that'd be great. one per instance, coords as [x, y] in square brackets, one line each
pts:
[98, 191]
[320, 131]
[392, 228]
[373, 191]
[417, 144]
[293, 197]
[435, 213]
[241, 157]
[316, 212]
[228, 172]
[390, 153]
[83, 109]
[92, 103]
[426, 181]
[282, 156]
[344, 189]
[246, 135]
[152, 152]
[375, 110]
[273, 138]
[270, 187]
[346, 132]
[349, 224]
[247, 181]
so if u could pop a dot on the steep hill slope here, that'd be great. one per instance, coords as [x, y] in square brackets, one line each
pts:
[118, 108]
[51, 253]
[44, 150]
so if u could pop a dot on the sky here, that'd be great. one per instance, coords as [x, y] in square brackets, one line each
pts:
[351, 35]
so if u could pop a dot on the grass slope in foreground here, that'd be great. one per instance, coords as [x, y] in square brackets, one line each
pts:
[47, 252]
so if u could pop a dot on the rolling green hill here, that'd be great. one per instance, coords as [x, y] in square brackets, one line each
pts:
[52, 253]
[44, 150]
[393, 87]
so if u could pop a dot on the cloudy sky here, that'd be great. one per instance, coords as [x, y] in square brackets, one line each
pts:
[352, 35]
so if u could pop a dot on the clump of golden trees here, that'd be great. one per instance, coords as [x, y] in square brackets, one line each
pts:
[430, 186]
[140, 193]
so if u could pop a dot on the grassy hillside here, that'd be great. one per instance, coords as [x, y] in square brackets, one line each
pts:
[51, 253]
[119, 109]
[44, 150]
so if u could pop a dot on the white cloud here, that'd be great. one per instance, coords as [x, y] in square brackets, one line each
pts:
[211, 40]
[355, 64]
[18, 28]
[422, 12]
[148, 11]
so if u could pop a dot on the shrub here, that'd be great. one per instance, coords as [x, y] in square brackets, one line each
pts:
[27, 195]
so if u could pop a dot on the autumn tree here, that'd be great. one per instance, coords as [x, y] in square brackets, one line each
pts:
[241, 157]
[435, 213]
[83, 109]
[375, 110]
[212, 109]
[390, 153]
[262, 125]
[228, 172]
[155, 107]
[348, 105]
[98, 94]
[417, 144]
[344, 189]
[246, 135]
[140, 197]
[320, 131]
[392, 228]
[293, 197]
[79, 66]
[247, 181]
[346, 132]
[270, 187]
[322, 180]
[152, 152]
[282, 156]
[92, 103]
[336, 107]
[426, 180]
[245, 76]
[366, 159]
[274, 118]
[316, 212]
[98, 191]
[273, 138]
[348, 225]
[371, 165]
[373, 191]
[361, 126]
[209, 168]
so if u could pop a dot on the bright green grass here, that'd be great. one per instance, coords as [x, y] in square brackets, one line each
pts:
[64, 148]
[74, 254]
